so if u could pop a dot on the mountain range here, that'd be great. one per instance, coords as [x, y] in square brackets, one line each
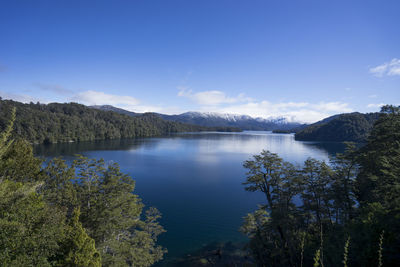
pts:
[212, 119]
[353, 126]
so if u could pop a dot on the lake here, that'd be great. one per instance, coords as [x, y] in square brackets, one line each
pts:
[195, 179]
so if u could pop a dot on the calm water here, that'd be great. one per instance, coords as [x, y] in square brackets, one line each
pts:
[195, 180]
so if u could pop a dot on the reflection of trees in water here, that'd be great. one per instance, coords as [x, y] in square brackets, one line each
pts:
[70, 149]
[332, 148]
[281, 140]
[229, 142]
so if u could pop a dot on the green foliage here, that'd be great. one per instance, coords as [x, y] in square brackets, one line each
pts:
[19, 164]
[5, 141]
[40, 212]
[357, 195]
[317, 258]
[30, 229]
[378, 183]
[278, 181]
[58, 187]
[110, 212]
[52, 123]
[345, 127]
[378, 180]
[79, 247]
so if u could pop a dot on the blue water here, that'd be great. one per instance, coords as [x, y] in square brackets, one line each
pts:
[195, 179]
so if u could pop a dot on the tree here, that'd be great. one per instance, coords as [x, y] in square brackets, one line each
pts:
[56, 122]
[5, 141]
[78, 249]
[356, 195]
[30, 230]
[41, 219]
[278, 181]
[19, 164]
[378, 186]
[110, 213]
[345, 168]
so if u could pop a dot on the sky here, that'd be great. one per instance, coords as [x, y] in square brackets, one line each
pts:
[304, 60]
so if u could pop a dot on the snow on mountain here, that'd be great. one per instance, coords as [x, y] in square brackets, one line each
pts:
[225, 116]
[235, 117]
[212, 119]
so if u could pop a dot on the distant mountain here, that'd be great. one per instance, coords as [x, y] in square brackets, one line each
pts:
[343, 127]
[212, 119]
[244, 122]
[118, 110]
[68, 122]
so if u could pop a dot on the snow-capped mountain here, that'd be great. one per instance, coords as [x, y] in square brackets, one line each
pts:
[214, 115]
[244, 122]
[212, 119]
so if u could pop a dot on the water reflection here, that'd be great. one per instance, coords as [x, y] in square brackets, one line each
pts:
[71, 149]
[208, 146]
[195, 179]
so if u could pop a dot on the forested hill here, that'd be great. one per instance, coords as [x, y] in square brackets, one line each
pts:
[344, 127]
[56, 122]
[214, 119]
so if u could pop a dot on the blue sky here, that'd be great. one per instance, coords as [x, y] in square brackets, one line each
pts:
[301, 59]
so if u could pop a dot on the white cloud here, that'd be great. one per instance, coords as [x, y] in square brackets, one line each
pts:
[391, 68]
[293, 111]
[211, 101]
[217, 101]
[375, 105]
[22, 98]
[211, 98]
[125, 102]
[331, 107]
[93, 98]
[100, 98]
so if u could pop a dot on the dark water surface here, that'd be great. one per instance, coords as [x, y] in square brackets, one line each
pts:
[195, 179]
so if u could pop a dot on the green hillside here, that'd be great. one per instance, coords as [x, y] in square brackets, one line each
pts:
[55, 122]
[344, 127]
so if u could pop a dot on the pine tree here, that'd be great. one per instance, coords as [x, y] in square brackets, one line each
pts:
[378, 187]
[5, 141]
[78, 248]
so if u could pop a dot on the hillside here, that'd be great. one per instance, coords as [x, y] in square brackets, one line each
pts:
[55, 122]
[212, 119]
[115, 109]
[338, 128]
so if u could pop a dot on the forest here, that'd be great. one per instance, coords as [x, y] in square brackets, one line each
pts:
[72, 122]
[82, 214]
[342, 213]
[353, 127]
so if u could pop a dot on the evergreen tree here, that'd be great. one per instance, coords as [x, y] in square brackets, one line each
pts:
[36, 203]
[112, 215]
[30, 230]
[19, 164]
[356, 196]
[56, 122]
[78, 248]
[378, 186]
